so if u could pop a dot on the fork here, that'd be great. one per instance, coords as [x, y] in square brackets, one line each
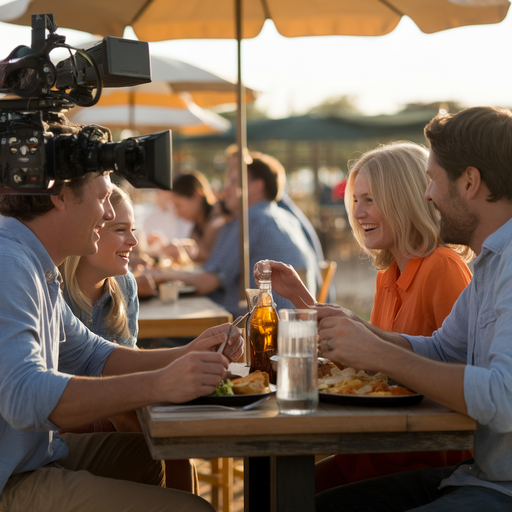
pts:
[209, 407]
[236, 323]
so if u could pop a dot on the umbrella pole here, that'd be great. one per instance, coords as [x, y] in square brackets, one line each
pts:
[131, 112]
[241, 140]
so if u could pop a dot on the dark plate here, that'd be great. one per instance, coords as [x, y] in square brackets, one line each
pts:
[371, 401]
[232, 400]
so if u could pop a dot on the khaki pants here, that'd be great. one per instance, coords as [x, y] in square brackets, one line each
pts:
[111, 472]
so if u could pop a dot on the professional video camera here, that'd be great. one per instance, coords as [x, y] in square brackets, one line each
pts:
[39, 148]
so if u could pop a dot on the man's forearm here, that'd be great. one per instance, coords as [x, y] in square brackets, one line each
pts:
[441, 382]
[390, 337]
[87, 399]
[124, 361]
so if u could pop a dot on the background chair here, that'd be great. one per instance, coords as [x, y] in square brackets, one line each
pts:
[327, 269]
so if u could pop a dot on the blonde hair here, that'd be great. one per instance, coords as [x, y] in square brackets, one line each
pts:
[116, 322]
[397, 179]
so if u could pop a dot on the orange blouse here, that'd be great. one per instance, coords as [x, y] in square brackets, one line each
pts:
[415, 302]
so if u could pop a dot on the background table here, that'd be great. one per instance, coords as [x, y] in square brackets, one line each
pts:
[284, 446]
[187, 317]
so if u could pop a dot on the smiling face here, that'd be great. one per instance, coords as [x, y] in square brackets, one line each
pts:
[377, 231]
[88, 214]
[458, 222]
[114, 247]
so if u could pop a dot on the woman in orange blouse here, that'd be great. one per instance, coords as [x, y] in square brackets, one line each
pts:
[420, 279]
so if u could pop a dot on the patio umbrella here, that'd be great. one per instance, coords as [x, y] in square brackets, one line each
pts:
[190, 119]
[170, 78]
[158, 20]
[173, 99]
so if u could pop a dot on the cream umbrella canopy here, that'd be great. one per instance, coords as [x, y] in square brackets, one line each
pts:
[158, 20]
[189, 120]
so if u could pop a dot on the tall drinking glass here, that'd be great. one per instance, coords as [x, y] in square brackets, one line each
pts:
[297, 370]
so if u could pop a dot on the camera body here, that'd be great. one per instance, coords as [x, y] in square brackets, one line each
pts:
[39, 148]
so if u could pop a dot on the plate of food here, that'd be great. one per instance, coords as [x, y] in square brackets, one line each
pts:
[184, 289]
[240, 391]
[346, 386]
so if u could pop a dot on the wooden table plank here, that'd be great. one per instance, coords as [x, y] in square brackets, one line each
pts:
[329, 418]
[187, 317]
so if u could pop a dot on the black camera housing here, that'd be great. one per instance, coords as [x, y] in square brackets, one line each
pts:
[39, 148]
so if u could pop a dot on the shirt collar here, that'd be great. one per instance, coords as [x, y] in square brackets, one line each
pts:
[403, 280]
[499, 240]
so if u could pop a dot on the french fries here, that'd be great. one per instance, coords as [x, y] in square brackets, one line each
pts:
[348, 381]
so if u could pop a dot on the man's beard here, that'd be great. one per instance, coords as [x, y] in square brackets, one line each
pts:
[458, 224]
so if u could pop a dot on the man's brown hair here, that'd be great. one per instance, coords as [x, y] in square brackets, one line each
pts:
[478, 137]
[269, 169]
[26, 207]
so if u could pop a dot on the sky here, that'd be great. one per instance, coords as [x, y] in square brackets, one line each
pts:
[471, 65]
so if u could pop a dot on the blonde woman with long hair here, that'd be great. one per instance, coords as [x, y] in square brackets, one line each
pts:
[99, 289]
[420, 279]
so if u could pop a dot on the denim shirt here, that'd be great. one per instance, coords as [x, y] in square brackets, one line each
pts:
[101, 309]
[274, 234]
[478, 333]
[42, 344]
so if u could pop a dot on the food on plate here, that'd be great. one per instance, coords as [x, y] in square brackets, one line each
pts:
[255, 382]
[224, 388]
[347, 381]
[329, 369]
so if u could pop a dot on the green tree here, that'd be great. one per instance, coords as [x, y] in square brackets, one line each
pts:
[337, 105]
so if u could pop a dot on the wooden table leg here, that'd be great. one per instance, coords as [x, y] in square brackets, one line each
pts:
[279, 484]
[293, 483]
[256, 484]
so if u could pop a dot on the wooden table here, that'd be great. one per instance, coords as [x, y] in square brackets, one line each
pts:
[187, 317]
[284, 446]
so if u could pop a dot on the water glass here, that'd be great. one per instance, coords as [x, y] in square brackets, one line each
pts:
[168, 292]
[297, 370]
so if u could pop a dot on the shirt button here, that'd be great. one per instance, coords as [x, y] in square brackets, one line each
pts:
[50, 276]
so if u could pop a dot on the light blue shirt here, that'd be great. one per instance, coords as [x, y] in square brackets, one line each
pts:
[42, 344]
[478, 333]
[274, 234]
[101, 310]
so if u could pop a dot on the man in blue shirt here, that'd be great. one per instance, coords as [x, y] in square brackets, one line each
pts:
[274, 234]
[55, 373]
[466, 364]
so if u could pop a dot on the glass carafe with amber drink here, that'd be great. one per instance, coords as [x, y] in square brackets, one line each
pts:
[263, 327]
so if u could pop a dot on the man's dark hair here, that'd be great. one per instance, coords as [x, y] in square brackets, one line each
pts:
[26, 207]
[267, 168]
[478, 137]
